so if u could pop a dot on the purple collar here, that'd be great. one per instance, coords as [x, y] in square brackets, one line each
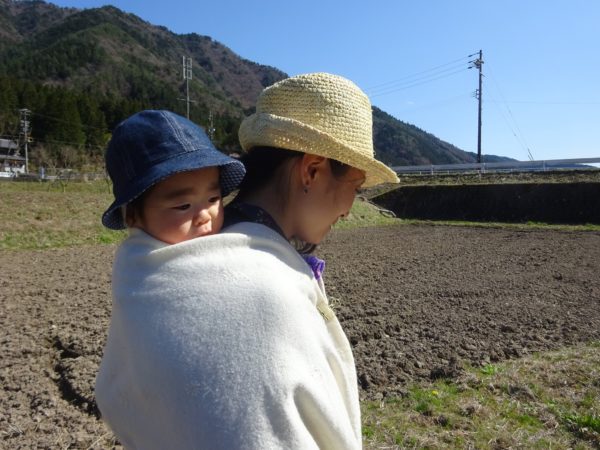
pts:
[317, 265]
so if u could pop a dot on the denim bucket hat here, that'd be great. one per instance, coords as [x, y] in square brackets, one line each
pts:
[153, 145]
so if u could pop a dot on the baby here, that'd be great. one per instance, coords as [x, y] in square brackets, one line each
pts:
[168, 182]
[168, 178]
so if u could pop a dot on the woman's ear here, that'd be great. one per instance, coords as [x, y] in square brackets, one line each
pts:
[311, 166]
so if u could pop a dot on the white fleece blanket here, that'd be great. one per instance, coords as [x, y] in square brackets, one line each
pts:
[219, 343]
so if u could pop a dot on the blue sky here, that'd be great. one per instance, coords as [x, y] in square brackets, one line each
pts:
[541, 85]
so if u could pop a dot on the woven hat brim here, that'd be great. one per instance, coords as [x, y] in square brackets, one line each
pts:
[270, 130]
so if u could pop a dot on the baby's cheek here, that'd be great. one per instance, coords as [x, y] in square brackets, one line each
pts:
[219, 218]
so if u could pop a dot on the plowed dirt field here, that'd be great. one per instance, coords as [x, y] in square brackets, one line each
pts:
[417, 302]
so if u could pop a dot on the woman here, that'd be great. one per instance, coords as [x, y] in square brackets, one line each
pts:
[234, 345]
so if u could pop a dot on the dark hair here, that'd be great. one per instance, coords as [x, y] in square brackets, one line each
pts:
[134, 210]
[263, 163]
[264, 166]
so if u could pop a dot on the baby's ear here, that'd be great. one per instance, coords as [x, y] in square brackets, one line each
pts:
[128, 215]
[131, 213]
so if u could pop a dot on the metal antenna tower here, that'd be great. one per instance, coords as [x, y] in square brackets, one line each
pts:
[478, 63]
[187, 76]
[25, 128]
[211, 126]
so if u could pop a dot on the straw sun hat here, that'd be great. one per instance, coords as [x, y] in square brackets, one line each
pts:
[320, 114]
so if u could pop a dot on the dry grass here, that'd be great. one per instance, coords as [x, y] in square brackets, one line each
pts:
[554, 176]
[44, 215]
[549, 400]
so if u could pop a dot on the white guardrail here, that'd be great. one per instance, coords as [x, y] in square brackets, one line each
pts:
[516, 166]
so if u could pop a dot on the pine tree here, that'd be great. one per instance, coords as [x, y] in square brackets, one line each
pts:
[94, 124]
[63, 123]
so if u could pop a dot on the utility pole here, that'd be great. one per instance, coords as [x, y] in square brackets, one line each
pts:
[211, 127]
[25, 132]
[478, 63]
[187, 76]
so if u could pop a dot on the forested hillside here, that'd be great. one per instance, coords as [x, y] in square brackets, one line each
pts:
[80, 72]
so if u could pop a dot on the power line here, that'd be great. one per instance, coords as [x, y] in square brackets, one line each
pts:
[415, 75]
[524, 141]
[437, 103]
[74, 144]
[416, 83]
[519, 140]
[56, 119]
[537, 102]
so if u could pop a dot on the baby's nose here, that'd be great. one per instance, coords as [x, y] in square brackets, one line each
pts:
[202, 215]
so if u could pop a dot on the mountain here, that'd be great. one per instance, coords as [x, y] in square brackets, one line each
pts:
[104, 48]
[398, 143]
[81, 72]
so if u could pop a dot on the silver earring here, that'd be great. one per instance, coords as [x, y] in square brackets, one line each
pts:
[306, 189]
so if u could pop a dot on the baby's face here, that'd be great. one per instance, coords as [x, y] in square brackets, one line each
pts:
[184, 206]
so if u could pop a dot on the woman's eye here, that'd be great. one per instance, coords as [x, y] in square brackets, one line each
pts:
[182, 207]
[214, 199]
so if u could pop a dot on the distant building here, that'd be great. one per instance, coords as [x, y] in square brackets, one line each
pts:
[6, 145]
[11, 164]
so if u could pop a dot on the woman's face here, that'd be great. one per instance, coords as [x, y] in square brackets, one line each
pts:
[328, 199]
